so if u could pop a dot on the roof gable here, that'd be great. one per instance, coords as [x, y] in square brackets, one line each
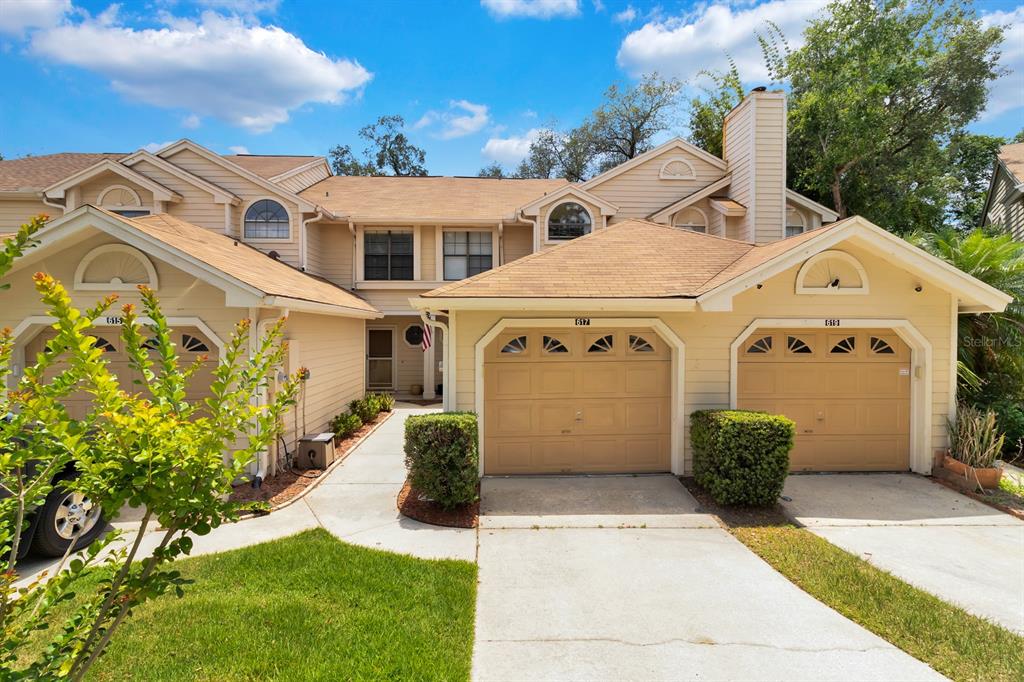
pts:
[220, 195]
[677, 144]
[666, 213]
[160, 193]
[577, 191]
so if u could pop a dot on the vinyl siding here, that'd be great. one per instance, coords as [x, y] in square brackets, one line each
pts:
[333, 349]
[90, 191]
[16, 212]
[248, 192]
[392, 301]
[737, 150]
[197, 205]
[314, 249]
[335, 257]
[307, 178]
[1009, 215]
[770, 167]
[518, 242]
[428, 253]
[640, 191]
[708, 335]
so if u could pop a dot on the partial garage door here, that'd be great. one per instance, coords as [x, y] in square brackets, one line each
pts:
[848, 392]
[577, 401]
[191, 345]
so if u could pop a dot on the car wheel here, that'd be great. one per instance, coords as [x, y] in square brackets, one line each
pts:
[65, 515]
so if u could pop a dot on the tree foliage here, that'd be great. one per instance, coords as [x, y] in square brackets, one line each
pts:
[146, 446]
[970, 160]
[628, 119]
[877, 90]
[492, 170]
[707, 113]
[388, 151]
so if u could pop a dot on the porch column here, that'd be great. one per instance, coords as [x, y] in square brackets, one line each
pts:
[429, 382]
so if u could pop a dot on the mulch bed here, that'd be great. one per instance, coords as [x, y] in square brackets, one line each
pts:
[412, 504]
[735, 517]
[285, 485]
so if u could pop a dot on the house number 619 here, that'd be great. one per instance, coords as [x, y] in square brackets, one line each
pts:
[832, 323]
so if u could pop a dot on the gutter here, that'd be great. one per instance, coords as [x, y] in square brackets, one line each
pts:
[303, 240]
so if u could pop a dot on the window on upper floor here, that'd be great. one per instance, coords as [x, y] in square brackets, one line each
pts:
[692, 219]
[467, 253]
[568, 221]
[387, 254]
[794, 222]
[266, 219]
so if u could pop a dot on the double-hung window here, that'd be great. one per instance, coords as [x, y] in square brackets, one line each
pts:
[467, 253]
[387, 254]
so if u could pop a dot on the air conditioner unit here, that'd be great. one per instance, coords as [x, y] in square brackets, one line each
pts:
[316, 451]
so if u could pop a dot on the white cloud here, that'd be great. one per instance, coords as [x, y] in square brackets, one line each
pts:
[626, 16]
[509, 150]
[682, 46]
[248, 7]
[17, 16]
[1007, 93]
[534, 9]
[238, 149]
[191, 122]
[154, 147]
[462, 118]
[241, 72]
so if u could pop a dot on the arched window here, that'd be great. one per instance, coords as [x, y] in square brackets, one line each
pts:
[568, 221]
[794, 222]
[692, 219]
[266, 219]
[677, 169]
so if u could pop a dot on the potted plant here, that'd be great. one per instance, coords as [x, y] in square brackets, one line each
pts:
[974, 447]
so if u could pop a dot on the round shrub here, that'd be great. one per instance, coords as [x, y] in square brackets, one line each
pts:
[741, 458]
[366, 408]
[344, 425]
[442, 458]
[386, 401]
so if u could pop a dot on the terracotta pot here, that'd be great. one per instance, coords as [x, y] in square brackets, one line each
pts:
[987, 477]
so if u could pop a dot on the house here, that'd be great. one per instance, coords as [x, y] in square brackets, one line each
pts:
[582, 321]
[1004, 204]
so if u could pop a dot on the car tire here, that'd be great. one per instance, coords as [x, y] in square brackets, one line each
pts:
[60, 517]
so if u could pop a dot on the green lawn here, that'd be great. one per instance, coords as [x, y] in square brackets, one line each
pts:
[307, 607]
[952, 641]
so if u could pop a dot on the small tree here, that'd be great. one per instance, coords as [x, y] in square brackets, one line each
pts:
[149, 448]
[629, 118]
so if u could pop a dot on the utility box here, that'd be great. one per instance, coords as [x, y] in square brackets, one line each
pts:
[316, 451]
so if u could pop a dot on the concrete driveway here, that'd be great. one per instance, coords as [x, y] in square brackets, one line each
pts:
[945, 543]
[602, 578]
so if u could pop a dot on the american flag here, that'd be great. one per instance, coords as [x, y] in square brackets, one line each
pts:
[426, 337]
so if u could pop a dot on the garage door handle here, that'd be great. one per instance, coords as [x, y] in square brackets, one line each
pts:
[579, 415]
[821, 416]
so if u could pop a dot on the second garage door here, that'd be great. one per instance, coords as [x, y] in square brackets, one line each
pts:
[848, 392]
[577, 401]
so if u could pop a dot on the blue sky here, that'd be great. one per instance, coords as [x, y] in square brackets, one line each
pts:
[472, 78]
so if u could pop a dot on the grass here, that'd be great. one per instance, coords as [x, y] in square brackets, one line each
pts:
[308, 607]
[950, 640]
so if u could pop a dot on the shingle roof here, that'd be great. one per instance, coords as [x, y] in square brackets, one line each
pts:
[243, 263]
[426, 198]
[631, 259]
[1012, 156]
[268, 166]
[37, 172]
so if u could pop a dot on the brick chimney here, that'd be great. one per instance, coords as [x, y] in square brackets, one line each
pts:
[754, 146]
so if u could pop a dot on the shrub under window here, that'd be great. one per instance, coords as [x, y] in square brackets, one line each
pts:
[741, 458]
[442, 458]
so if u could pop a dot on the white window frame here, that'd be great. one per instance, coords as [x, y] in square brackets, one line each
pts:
[691, 226]
[547, 220]
[271, 240]
[440, 273]
[803, 222]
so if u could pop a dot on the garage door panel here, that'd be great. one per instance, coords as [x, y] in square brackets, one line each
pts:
[646, 416]
[509, 381]
[646, 378]
[600, 378]
[645, 453]
[554, 380]
[510, 418]
[852, 410]
[554, 418]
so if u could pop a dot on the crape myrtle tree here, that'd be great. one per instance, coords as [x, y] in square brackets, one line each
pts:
[146, 446]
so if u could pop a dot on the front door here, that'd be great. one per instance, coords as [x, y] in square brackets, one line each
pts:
[380, 359]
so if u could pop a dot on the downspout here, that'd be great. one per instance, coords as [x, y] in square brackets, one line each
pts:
[42, 196]
[501, 242]
[352, 229]
[303, 241]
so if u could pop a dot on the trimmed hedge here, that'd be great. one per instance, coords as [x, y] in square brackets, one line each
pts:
[442, 458]
[739, 457]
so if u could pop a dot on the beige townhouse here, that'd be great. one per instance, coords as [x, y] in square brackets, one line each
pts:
[583, 322]
[1004, 203]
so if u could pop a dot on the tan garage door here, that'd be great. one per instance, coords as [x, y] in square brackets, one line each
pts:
[190, 342]
[577, 401]
[847, 391]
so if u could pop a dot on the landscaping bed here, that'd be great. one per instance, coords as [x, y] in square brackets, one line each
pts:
[417, 506]
[950, 640]
[287, 485]
[308, 607]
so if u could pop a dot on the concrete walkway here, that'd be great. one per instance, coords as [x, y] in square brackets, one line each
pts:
[960, 550]
[621, 578]
[356, 503]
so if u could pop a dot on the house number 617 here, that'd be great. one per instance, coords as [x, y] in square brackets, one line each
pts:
[582, 321]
